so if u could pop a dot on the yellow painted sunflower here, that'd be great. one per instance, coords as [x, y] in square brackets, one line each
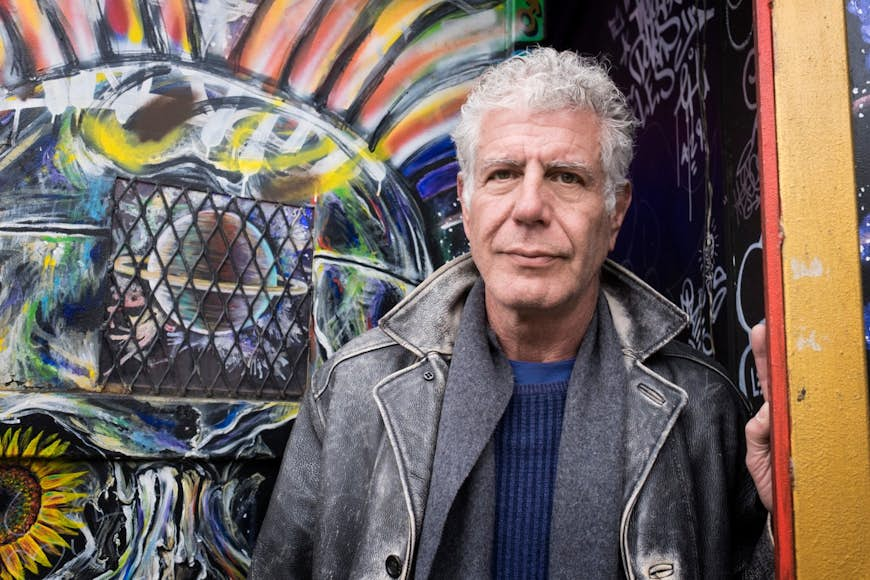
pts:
[37, 497]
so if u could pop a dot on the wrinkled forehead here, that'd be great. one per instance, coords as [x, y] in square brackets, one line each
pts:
[571, 116]
[566, 135]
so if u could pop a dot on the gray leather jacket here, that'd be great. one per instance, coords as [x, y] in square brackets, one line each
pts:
[353, 485]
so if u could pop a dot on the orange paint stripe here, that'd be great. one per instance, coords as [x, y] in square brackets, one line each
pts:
[408, 69]
[783, 513]
[78, 29]
[2, 62]
[318, 52]
[389, 28]
[273, 32]
[434, 111]
[36, 33]
[175, 23]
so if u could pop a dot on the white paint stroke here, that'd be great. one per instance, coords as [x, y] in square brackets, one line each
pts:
[809, 342]
[800, 269]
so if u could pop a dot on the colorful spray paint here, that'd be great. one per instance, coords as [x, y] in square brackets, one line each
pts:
[198, 199]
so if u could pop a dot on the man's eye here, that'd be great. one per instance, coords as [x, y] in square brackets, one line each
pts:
[568, 178]
[501, 174]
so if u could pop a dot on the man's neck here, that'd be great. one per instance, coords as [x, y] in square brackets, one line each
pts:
[541, 337]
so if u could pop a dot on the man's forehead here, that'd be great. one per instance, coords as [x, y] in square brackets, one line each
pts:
[550, 128]
[580, 116]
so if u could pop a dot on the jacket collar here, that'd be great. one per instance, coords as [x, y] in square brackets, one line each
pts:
[427, 319]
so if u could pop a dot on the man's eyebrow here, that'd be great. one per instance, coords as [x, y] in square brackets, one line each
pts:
[577, 166]
[499, 162]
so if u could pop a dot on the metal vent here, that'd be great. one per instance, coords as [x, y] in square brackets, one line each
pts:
[209, 295]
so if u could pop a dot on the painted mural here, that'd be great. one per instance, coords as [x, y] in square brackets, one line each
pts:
[199, 200]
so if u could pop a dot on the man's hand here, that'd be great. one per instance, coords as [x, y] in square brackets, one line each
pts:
[758, 457]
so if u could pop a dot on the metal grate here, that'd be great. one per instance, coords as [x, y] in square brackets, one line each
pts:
[209, 295]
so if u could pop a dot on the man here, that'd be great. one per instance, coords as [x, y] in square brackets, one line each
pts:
[525, 412]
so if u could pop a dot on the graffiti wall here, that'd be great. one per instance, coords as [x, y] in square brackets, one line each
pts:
[202, 199]
[199, 199]
[858, 31]
[693, 231]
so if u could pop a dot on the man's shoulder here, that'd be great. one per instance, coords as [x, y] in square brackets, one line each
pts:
[423, 322]
[704, 380]
[371, 340]
[361, 362]
[677, 352]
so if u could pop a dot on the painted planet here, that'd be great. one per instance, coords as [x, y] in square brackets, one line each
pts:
[212, 272]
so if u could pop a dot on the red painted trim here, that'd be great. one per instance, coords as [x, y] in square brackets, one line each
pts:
[783, 515]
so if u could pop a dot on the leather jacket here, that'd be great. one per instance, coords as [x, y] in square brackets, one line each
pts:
[351, 492]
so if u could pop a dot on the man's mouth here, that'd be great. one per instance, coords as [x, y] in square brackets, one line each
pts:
[531, 258]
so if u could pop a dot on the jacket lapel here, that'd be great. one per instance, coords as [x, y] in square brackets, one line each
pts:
[427, 321]
[410, 406]
[653, 405]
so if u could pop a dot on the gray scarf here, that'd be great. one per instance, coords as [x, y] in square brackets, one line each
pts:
[458, 526]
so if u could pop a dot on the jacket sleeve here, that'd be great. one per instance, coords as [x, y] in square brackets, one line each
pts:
[284, 548]
[752, 538]
[752, 554]
[753, 541]
[761, 567]
[733, 540]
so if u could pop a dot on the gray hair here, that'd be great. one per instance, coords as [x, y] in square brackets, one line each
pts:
[545, 80]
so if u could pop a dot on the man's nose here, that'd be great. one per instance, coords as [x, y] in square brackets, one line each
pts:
[530, 203]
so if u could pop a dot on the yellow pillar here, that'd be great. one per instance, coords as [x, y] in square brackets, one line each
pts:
[825, 353]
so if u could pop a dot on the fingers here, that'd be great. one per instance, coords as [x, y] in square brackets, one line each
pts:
[758, 454]
[758, 342]
[758, 428]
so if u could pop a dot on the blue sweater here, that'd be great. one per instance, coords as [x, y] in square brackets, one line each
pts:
[526, 455]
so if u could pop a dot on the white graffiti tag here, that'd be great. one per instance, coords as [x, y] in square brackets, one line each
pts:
[695, 304]
[659, 45]
[746, 371]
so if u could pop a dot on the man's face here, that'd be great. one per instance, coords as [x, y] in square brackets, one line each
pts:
[537, 222]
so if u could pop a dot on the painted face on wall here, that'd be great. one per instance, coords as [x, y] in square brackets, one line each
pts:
[537, 222]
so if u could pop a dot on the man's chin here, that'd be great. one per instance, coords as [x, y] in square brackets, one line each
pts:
[525, 301]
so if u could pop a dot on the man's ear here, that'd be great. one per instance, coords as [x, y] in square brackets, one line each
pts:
[466, 211]
[623, 200]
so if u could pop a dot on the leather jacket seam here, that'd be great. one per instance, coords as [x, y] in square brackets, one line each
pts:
[386, 342]
[725, 379]
[679, 466]
[427, 282]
